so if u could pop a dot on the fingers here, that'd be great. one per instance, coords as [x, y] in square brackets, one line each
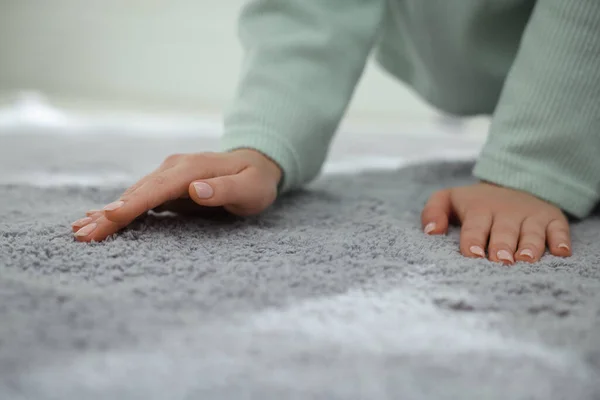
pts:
[95, 227]
[436, 213]
[169, 182]
[156, 189]
[475, 232]
[504, 237]
[559, 237]
[245, 193]
[80, 223]
[97, 230]
[508, 231]
[532, 241]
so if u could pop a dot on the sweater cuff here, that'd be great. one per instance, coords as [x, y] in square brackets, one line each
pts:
[572, 197]
[273, 146]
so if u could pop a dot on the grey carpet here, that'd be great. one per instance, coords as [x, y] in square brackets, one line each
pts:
[334, 293]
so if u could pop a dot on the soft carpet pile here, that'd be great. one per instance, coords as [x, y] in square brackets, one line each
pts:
[334, 293]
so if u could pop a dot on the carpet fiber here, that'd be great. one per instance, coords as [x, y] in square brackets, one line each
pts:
[334, 293]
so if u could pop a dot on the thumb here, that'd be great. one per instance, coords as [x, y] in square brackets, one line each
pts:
[436, 213]
[246, 193]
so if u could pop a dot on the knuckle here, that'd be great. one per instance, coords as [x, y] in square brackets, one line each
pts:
[545, 215]
[558, 232]
[147, 204]
[476, 219]
[433, 201]
[159, 180]
[174, 158]
[472, 230]
[502, 239]
[207, 157]
[557, 223]
[430, 214]
[127, 193]
[213, 164]
[508, 230]
[477, 211]
[210, 155]
[429, 207]
[534, 237]
[131, 190]
[472, 240]
[562, 236]
[535, 222]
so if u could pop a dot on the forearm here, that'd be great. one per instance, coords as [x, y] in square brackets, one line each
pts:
[545, 133]
[302, 62]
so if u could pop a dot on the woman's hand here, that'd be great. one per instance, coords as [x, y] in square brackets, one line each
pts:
[510, 224]
[244, 182]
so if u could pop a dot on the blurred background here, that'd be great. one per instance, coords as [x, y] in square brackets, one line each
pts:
[161, 71]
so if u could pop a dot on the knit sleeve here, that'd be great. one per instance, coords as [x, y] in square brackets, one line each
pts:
[303, 59]
[545, 133]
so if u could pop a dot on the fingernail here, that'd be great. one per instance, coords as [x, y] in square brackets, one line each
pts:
[563, 246]
[478, 251]
[430, 227]
[505, 256]
[90, 212]
[86, 230]
[82, 221]
[526, 253]
[114, 205]
[203, 190]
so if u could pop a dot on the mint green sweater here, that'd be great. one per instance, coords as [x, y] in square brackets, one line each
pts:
[533, 65]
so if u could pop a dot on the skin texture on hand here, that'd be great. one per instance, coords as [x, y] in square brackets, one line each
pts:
[244, 182]
[511, 225]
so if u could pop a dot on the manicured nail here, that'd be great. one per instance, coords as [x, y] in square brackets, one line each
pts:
[86, 230]
[430, 227]
[563, 246]
[82, 221]
[505, 256]
[527, 253]
[114, 205]
[478, 251]
[203, 190]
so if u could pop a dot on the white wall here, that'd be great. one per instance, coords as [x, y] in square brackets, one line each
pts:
[171, 54]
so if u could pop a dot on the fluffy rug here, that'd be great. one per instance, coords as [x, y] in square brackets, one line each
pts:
[334, 293]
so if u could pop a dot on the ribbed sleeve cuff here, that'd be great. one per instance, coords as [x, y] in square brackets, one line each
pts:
[507, 171]
[276, 147]
[290, 129]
